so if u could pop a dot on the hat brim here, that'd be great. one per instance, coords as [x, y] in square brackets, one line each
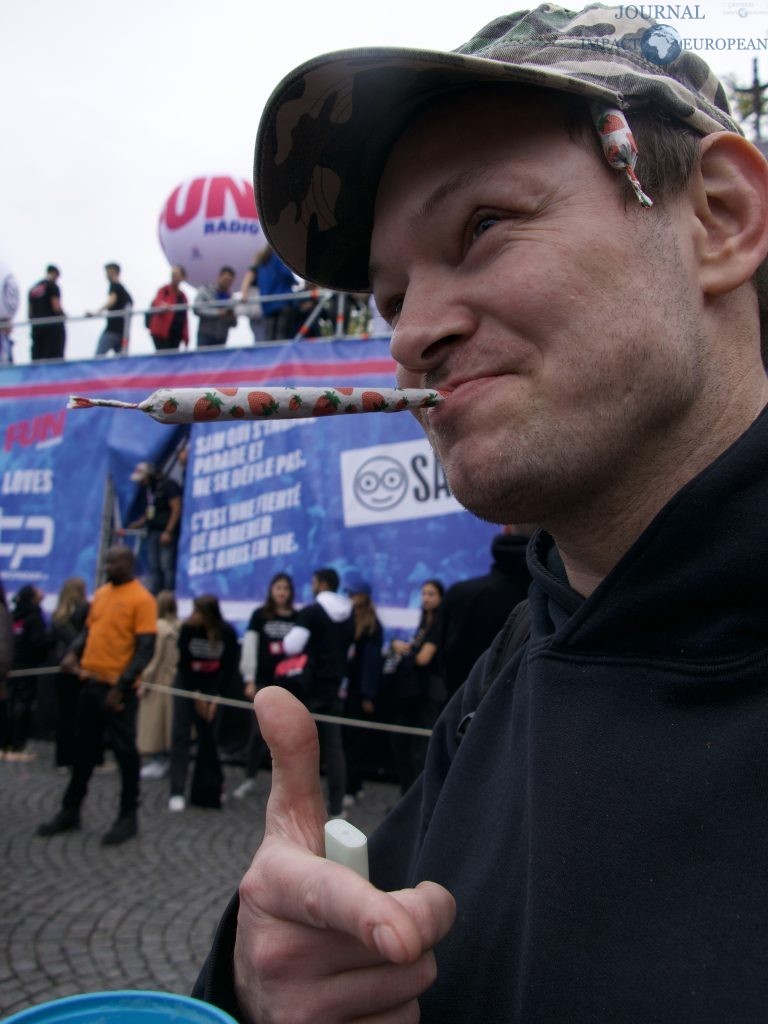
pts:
[328, 128]
[326, 133]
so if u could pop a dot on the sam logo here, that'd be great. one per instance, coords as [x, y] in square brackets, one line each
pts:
[392, 483]
[25, 537]
[40, 431]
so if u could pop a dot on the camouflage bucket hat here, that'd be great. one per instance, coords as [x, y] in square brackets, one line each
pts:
[328, 128]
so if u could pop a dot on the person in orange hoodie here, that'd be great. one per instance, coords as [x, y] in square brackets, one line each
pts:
[109, 655]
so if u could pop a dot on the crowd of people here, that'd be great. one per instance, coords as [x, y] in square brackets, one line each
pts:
[120, 657]
[269, 297]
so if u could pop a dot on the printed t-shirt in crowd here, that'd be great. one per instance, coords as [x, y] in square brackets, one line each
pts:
[118, 614]
[205, 664]
[263, 645]
[40, 298]
[158, 510]
[48, 340]
[116, 324]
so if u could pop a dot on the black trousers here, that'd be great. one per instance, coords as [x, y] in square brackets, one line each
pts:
[48, 341]
[281, 325]
[256, 750]
[21, 698]
[331, 747]
[208, 777]
[165, 344]
[409, 752]
[67, 699]
[96, 727]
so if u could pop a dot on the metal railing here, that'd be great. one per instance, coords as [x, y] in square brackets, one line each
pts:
[321, 297]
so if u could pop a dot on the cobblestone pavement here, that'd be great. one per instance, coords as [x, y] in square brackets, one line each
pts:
[80, 917]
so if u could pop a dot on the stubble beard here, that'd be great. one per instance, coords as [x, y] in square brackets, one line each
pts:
[594, 463]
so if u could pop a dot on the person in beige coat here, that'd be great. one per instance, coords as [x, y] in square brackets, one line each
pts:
[155, 707]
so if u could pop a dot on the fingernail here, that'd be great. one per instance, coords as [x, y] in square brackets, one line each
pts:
[388, 943]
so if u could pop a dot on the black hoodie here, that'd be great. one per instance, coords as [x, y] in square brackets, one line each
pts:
[603, 824]
[474, 610]
[30, 642]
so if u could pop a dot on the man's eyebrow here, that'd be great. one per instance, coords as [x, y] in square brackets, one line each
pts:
[438, 195]
[446, 189]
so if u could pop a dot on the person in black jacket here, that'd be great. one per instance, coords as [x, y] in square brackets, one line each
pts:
[589, 841]
[324, 631]
[419, 688]
[6, 663]
[162, 519]
[67, 623]
[209, 653]
[30, 646]
[43, 302]
[473, 611]
[363, 681]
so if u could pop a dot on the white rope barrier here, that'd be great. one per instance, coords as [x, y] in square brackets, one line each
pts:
[357, 723]
[232, 702]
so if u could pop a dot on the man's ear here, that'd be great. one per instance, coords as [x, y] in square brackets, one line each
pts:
[730, 191]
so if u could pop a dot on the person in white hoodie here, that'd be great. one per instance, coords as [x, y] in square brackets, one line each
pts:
[325, 630]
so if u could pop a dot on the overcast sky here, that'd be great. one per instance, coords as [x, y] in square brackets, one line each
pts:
[108, 105]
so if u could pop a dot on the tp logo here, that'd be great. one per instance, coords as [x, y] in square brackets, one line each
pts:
[40, 527]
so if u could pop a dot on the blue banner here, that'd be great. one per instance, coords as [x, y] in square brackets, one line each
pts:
[51, 496]
[363, 494]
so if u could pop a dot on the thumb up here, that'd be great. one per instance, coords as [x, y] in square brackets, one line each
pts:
[315, 941]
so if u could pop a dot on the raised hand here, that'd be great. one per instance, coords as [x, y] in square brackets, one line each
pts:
[316, 942]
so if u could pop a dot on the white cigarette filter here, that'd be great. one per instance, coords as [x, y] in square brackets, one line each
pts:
[215, 403]
[347, 845]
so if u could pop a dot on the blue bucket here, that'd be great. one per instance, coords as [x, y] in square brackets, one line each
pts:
[124, 1007]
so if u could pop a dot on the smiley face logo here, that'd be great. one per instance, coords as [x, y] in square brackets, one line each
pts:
[380, 483]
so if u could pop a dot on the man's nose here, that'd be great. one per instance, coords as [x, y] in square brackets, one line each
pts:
[432, 321]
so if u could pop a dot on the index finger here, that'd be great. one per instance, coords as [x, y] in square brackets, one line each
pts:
[292, 885]
[296, 807]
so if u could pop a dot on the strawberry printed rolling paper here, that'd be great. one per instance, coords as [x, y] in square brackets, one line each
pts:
[200, 405]
[619, 147]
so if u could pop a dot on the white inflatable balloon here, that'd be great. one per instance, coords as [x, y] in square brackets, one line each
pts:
[9, 293]
[208, 222]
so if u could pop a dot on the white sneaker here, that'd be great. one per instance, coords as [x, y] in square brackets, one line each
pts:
[177, 803]
[244, 789]
[154, 770]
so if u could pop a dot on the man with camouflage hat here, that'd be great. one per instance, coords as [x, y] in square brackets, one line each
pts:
[564, 234]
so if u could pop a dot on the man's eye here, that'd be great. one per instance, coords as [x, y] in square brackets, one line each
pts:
[391, 308]
[482, 226]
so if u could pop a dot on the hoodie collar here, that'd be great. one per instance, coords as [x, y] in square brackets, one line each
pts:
[336, 606]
